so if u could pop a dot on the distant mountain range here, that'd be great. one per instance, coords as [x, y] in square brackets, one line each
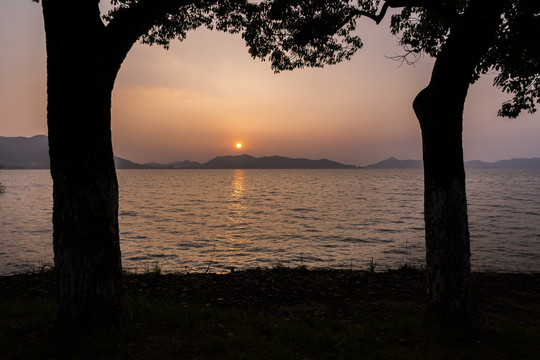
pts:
[238, 162]
[393, 163]
[521, 163]
[32, 153]
[270, 162]
[24, 153]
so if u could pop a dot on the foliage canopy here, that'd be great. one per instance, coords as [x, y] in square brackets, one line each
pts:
[298, 33]
[178, 17]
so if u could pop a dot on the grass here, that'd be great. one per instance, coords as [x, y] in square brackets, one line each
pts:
[278, 314]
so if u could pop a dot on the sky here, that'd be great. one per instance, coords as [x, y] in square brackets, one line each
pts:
[204, 95]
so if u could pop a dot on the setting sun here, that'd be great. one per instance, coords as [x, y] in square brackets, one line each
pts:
[238, 145]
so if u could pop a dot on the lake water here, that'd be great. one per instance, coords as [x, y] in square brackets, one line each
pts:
[213, 220]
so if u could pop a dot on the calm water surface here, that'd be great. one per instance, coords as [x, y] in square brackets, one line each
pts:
[199, 220]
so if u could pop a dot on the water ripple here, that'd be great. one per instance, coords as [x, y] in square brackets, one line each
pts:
[217, 219]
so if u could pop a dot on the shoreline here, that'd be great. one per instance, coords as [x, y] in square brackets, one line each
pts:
[280, 313]
[291, 285]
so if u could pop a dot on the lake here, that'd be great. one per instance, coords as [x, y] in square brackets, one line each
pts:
[215, 220]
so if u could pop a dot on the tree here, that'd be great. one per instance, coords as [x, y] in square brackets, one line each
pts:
[467, 38]
[84, 55]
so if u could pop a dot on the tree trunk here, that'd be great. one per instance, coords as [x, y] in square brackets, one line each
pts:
[83, 59]
[445, 205]
[439, 108]
[85, 191]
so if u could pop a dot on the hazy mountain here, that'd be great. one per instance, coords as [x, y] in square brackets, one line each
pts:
[228, 162]
[186, 164]
[24, 153]
[477, 164]
[269, 162]
[33, 153]
[250, 162]
[280, 162]
[120, 163]
[393, 163]
[521, 163]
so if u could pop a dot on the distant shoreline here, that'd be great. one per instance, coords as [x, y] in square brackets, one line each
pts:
[355, 168]
[20, 153]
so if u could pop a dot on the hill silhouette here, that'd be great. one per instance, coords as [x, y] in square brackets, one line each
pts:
[228, 162]
[24, 153]
[393, 163]
[517, 163]
[270, 162]
[33, 153]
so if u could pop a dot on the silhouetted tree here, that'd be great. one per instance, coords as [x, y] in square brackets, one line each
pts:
[84, 55]
[467, 38]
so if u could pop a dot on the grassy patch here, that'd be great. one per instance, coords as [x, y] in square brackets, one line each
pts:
[278, 314]
[23, 327]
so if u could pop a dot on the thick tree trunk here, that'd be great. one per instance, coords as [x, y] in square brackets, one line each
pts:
[83, 59]
[439, 108]
[445, 204]
[85, 192]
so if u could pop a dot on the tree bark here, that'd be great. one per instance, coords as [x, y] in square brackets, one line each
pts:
[83, 59]
[85, 191]
[445, 204]
[439, 109]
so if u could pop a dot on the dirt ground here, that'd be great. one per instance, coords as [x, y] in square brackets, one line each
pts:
[342, 292]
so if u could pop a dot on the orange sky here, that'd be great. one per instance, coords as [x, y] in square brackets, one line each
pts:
[204, 95]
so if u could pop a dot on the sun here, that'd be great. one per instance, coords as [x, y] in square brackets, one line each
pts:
[238, 146]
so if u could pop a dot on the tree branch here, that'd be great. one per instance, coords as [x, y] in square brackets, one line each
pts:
[377, 18]
[411, 57]
[130, 23]
[358, 13]
[442, 12]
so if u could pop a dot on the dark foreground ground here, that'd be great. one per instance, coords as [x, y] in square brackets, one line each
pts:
[279, 314]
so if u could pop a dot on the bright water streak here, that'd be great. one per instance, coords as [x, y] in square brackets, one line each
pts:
[198, 220]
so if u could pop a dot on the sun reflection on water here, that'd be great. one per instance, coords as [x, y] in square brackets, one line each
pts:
[233, 239]
[213, 220]
[237, 185]
[236, 203]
